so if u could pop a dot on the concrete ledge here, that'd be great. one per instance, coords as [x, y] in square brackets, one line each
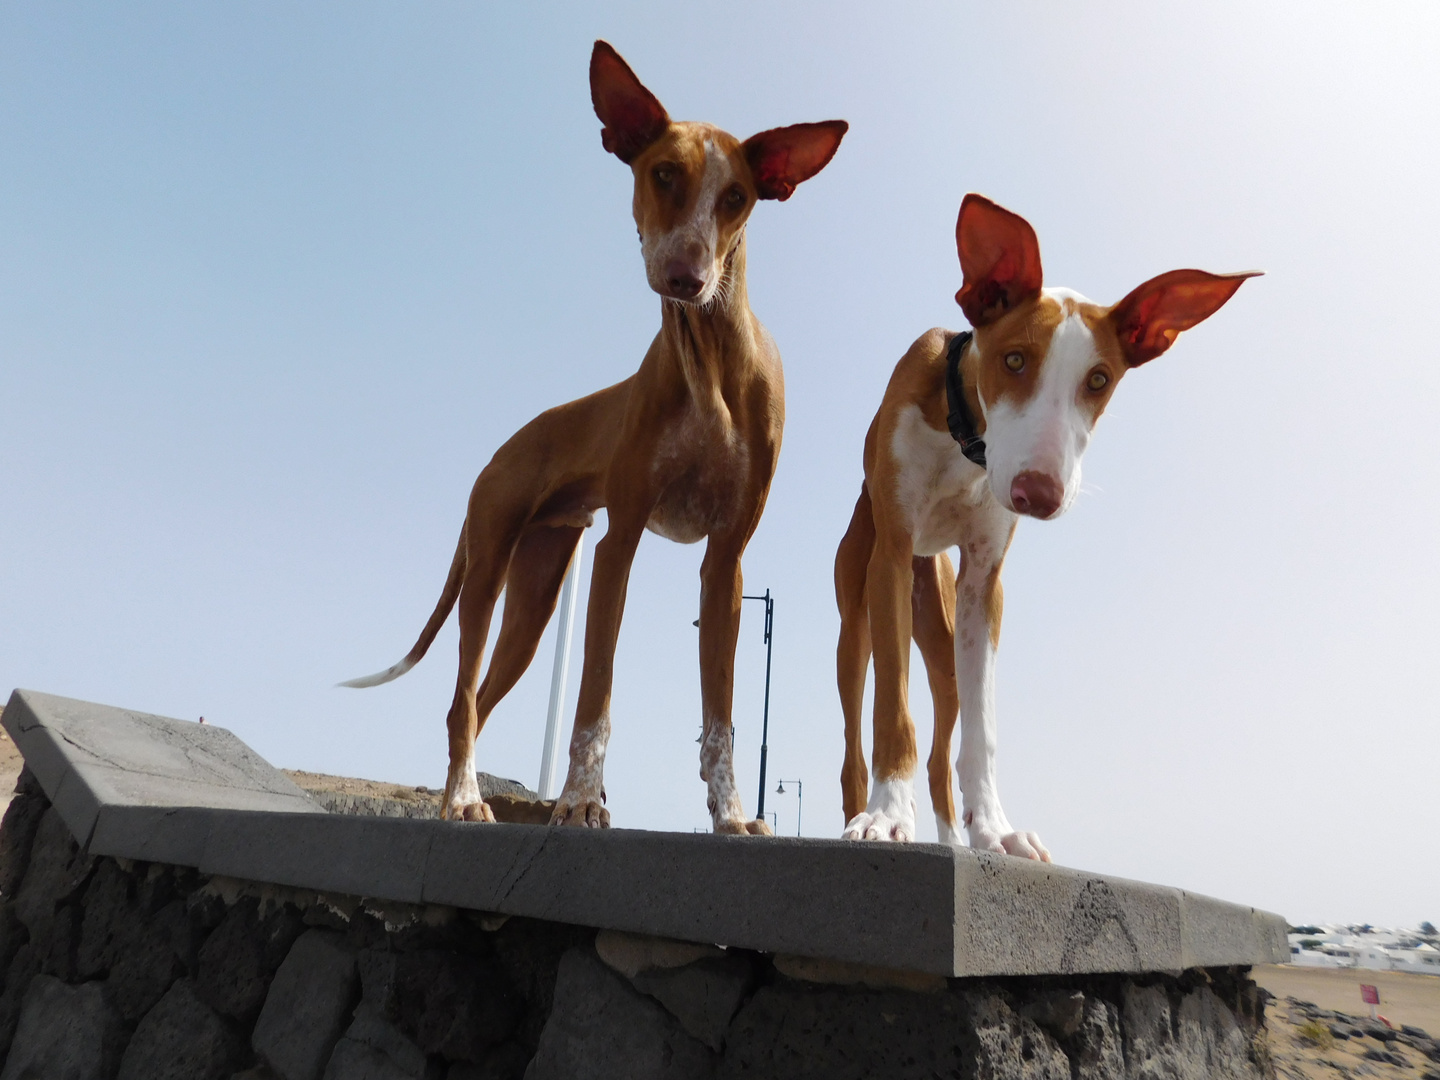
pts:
[918, 907]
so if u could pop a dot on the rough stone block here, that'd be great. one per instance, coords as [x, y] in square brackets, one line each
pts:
[601, 1028]
[182, 1038]
[811, 1032]
[241, 956]
[371, 1032]
[308, 1007]
[138, 937]
[703, 996]
[454, 1004]
[1009, 1045]
[17, 833]
[65, 1032]
[1198, 1041]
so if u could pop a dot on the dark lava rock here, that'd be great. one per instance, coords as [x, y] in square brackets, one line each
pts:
[65, 1032]
[703, 995]
[455, 1004]
[308, 1007]
[602, 1028]
[182, 1038]
[241, 956]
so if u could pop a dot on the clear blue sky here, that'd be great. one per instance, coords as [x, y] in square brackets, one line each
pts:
[276, 279]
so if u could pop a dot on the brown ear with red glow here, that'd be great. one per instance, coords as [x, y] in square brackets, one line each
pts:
[1148, 321]
[783, 157]
[633, 117]
[1000, 257]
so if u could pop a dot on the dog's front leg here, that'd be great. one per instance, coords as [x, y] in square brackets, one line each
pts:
[890, 812]
[720, 588]
[978, 606]
[582, 802]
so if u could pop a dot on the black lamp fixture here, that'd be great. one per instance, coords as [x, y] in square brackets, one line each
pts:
[800, 793]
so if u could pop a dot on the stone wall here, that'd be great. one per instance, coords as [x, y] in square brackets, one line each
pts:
[115, 968]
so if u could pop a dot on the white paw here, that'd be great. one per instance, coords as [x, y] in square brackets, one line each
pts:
[991, 832]
[890, 814]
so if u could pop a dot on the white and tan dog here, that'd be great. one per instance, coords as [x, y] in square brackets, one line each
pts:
[685, 447]
[975, 430]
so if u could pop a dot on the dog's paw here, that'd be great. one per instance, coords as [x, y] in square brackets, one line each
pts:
[586, 813]
[1007, 841]
[742, 828]
[889, 816]
[455, 810]
[881, 826]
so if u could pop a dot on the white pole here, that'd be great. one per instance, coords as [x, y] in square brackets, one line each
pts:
[561, 671]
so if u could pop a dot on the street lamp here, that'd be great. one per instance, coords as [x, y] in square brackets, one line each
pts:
[765, 720]
[800, 794]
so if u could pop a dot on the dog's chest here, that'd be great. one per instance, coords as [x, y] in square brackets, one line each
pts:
[705, 471]
[937, 488]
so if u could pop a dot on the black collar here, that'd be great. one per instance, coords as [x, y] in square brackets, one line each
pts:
[962, 424]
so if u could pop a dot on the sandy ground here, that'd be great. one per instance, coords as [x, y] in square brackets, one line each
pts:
[349, 785]
[1305, 1050]
[1404, 998]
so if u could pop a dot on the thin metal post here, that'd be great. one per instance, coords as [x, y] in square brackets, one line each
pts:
[561, 671]
[765, 722]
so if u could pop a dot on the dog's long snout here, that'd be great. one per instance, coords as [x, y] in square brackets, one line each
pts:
[680, 279]
[1036, 494]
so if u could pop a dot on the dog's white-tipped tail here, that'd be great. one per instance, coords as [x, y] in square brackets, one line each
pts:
[437, 619]
[394, 671]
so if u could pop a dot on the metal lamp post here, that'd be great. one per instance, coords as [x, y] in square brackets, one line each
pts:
[800, 796]
[765, 721]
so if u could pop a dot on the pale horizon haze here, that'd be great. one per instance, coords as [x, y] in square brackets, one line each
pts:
[277, 279]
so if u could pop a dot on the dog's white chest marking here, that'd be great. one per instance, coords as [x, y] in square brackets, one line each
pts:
[937, 487]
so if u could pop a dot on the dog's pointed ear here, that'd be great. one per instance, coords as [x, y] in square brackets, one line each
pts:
[633, 117]
[1148, 321]
[1000, 257]
[784, 157]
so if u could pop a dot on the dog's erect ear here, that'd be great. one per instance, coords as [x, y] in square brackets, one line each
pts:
[1000, 257]
[1148, 321]
[632, 116]
[784, 157]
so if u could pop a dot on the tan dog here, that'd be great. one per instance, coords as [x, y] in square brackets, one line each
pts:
[685, 447]
[971, 433]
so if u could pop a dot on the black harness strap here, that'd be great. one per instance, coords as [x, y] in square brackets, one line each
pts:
[962, 424]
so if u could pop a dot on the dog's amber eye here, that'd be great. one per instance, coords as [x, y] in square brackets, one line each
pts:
[1015, 361]
[735, 197]
[1098, 380]
[665, 175]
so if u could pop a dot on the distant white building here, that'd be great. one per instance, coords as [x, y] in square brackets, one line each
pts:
[1369, 948]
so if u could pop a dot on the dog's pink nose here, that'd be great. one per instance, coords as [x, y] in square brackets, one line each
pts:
[681, 280]
[1036, 494]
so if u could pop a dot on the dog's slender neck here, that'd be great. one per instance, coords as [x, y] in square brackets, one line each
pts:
[708, 337]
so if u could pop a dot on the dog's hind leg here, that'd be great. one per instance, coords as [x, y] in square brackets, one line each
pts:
[487, 561]
[932, 600]
[537, 570]
[852, 654]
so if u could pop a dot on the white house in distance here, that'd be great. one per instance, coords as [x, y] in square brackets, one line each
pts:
[1370, 947]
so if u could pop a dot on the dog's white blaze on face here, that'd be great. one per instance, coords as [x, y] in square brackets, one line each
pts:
[1048, 431]
[694, 240]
